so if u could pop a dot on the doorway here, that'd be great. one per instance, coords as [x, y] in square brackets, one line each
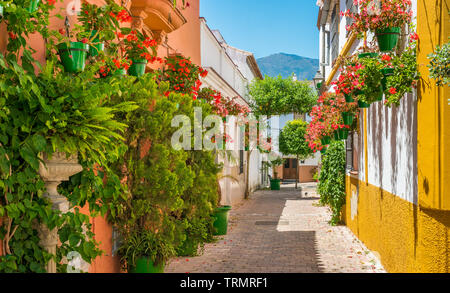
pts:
[289, 169]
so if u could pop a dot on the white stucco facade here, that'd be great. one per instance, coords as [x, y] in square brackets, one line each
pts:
[230, 71]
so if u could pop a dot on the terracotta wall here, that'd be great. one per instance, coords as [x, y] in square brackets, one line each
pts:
[185, 40]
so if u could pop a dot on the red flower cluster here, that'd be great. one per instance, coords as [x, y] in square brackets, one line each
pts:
[348, 81]
[122, 16]
[51, 2]
[381, 14]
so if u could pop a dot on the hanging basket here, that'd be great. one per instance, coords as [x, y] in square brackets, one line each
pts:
[363, 105]
[73, 56]
[33, 6]
[97, 46]
[325, 140]
[387, 38]
[348, 118]
[367, 55]
[323, 151]
[120, 72]
[342, 133]
[137, 68]
[386, 72]
[349, 98]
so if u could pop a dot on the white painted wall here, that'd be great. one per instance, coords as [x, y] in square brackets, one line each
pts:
[391, 138]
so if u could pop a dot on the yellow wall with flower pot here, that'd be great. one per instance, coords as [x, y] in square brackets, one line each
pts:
[413, 236]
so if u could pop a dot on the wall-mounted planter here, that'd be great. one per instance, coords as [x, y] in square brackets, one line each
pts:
[221, 220]
[275, 184]
[363, 105]
[33, 6]
[387, 38]
[367, 55]
[386, 72]
[145, 265]
[349, 98]
[97, 46]
[137, 68]
[348, 118]
[73, 56]
[325, 140]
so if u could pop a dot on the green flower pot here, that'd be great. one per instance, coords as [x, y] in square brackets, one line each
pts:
[323, 151]
[367, 55]
[33, 6]
[336, 135]
[188, 248]
[363, 105]
[386, 72]
[319, 85]
[343, 133]
[325, 140]
[275, 184]
[387, 38]
[349, 98]
[348, 118]
[73, 57]
[144, 265]
[379, 96]
[137, 68]
[221, 220]
[97, 46]
[120, 72]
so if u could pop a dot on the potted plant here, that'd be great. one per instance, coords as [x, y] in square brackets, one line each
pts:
[405, 75]
[385, 18]
[220, 213]
[99, 24]
[137, 49]
[439, 66]
[370, 77]
[275, 182]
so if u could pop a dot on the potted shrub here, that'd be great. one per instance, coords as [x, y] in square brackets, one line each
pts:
[137, 49]
[385, 18]
[99, 24]
[370, 77]
[405, 75]
[275, 182]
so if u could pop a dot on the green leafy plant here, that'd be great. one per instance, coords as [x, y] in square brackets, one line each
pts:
[370, 77]
[331, 185]
[439, 66]
[293, 141]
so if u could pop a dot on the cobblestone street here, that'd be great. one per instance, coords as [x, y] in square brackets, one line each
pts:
[281, 232]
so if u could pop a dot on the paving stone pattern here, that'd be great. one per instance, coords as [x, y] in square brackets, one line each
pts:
[281, 232]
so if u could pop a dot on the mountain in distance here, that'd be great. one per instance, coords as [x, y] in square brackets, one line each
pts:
[285, 64]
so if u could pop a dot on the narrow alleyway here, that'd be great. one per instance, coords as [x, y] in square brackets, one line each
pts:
[281, 232]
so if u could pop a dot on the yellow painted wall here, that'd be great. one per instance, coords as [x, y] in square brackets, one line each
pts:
[407, 238]
[433, 111]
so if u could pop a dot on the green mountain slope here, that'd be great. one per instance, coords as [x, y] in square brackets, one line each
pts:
[285, 64]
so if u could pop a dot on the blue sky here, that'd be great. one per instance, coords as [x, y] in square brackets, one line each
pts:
[265, 27]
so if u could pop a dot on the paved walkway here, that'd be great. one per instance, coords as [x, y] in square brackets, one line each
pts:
[281, 232]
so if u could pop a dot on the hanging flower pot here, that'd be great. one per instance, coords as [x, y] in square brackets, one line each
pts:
[137, 68]
[33, 6]
[343, 133]
[386, 72]
[97, 46]
[325, 140]
[367, 55]
[349, 98]
[221, 220]
[120, 72]
[323, 151]
[387, 38]
[73, 56]
[363, 105]
[348, 118]
[336, 135]
[145, 265]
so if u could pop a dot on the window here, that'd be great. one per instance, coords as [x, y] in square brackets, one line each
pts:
[351, 151]
[334, 34]
[241, 161]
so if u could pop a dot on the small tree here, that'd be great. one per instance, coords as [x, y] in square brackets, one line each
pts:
[293, 142]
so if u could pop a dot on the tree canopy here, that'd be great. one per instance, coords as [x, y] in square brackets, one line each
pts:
[278, 96]
[292, 139]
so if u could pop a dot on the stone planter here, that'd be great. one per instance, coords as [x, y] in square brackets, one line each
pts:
[54, 171]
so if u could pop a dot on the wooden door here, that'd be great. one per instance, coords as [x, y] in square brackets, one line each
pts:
[289, 170]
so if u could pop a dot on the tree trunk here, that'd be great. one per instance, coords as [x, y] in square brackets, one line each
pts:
[297, 172]
[247, 176]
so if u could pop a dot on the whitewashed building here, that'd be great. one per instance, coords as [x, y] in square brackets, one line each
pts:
[230, 71]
